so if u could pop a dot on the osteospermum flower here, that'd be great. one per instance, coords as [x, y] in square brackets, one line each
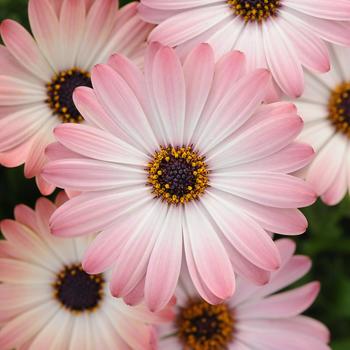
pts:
[254, 319]
[282, 35]
[180, 157]
[38, 76]
[325, 107]
[48, 302]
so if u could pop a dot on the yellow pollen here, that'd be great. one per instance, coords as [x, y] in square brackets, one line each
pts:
[201, 326]
[255, 10]
[339, 108]
[177, 174]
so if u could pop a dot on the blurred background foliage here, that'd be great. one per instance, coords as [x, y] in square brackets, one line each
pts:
[327, 241]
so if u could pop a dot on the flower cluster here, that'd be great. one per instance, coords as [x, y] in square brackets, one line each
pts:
[163, 122]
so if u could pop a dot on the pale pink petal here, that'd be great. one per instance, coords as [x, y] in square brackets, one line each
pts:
[121, 103]
[106, 247]
[98, 27]
[45, 27]
[271, 189]
[14, 91]
[14, 271]
[226, 117]
[20, 329]
[199, 73]
[187, 25]
[169, 94]
[333, 31]
[97, 144]
[286, 304]
[210, 258]
[311, 51]
[338, 189]
[86, 102]
[282, 59]
[267, 136]
[327, 164]
[72, 25]
[165, 262]
[36, 156]
[131, 265]
[338, 10]
[243, 233]
[92, 175]
[22, 46]
[91, 212]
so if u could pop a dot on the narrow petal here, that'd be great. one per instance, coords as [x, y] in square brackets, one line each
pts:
[22, 46]
[271, 189]
[243, 233]
[165, 262]
[45, 27]
[199, 73]
[210, 257]
[94, 211]
[286, 304]
[282, 60]
[97, 144]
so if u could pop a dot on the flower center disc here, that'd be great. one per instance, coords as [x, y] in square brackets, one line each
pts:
[339, 108]
[178, 175]
[255, 10]
[202, 326]
[60, 94]
[76, 290]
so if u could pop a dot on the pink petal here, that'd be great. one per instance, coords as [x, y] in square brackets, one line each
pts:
[72, 25]
[120, 101]
[286, 304]
[199, 73]
[98, 144]
[134, 257]
[165, 262]
[243, 233]
[282, 60]
[22, 46]
[210, 258]
[271, 189]
[90, 212]
[45, 27]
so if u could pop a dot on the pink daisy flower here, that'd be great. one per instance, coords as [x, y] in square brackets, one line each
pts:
[325, 107]
[281, 35]
[182, 163]
[48, 302]
[38, 76]
[254, 319]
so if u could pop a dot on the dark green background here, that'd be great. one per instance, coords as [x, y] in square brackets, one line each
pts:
[327, 241]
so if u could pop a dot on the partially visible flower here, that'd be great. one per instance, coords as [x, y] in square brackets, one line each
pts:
[48, 302]
[37, 77]
[281, 35]
[325, 108]
[254, 319]
[183, 164]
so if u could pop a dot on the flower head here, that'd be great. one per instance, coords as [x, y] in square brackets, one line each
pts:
[325, 107]
[255, 318]
[281, 35]
[38, 76]
[182, 156]
[48, 302]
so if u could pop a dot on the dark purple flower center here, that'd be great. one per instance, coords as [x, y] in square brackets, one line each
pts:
[60, 94]
[78, 291]
[178, 174]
